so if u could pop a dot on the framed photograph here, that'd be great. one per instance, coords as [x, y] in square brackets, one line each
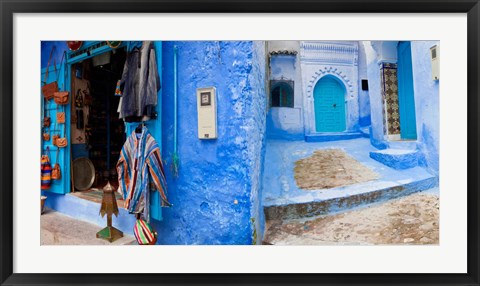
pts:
[345, 146]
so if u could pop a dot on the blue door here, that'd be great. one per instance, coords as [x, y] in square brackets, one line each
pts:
[329, 101]
[406, 100]
[58, 73]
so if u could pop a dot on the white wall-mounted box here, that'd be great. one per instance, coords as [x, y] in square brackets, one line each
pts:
[435, 59]
[207, 113]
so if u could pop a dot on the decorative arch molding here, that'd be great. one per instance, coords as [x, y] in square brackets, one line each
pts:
[332, 71]
[322, 58]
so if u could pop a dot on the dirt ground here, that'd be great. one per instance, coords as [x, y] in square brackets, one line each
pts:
[330, 168]
[409, 220]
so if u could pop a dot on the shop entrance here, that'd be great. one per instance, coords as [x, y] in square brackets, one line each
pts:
[97, 133]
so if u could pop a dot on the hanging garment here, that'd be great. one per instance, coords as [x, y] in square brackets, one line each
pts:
[139, 84]
[140, 161]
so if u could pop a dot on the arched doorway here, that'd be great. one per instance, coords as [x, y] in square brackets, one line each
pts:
[329, 104]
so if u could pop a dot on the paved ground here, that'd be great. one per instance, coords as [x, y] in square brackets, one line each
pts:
[330, 168]
[280, 186]
[413, 219]
[58, 229]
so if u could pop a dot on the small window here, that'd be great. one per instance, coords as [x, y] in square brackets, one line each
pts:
[364, 84]
[281, 93]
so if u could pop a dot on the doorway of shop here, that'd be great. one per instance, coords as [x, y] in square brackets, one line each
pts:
[97, 132]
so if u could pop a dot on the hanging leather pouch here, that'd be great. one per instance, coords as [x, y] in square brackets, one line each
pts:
[62, 142]
[61, 97]
[60, 117]
[54, 139]
[56, 171]
[46, 121]
[48, 89]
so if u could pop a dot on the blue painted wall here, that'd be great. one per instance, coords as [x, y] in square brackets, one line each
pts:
[216, 195]
[372, 60]
[363, 97]
[46, 46]
[427, 104]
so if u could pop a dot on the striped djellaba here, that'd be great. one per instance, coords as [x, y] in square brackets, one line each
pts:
[140, 161]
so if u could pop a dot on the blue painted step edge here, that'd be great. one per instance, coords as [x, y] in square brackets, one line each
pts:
[396, 158]
[342, 204]
[325, 137]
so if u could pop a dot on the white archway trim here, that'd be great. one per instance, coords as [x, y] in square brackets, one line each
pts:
[333, 71]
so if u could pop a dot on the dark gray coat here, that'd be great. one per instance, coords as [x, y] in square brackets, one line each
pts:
[140, 83]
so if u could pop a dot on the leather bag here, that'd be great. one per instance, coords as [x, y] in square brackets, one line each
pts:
[62, 142]
[61, 97]
[48, 89]
[46, 117]
[60, 117]
[46, 121]
[56, 171]
[54, 139]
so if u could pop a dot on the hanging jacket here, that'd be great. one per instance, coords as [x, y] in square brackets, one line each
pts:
[140, 163]
[139, 84]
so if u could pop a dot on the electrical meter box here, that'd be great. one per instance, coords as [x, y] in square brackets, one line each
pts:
[207, 113]
[435, 59]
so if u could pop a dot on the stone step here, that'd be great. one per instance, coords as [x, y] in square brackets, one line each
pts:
[347, 198]
[333, 136]
[398, 159]
[405, 145]
[365, 131]
[60, 229]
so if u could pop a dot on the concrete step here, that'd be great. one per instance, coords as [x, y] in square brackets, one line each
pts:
[404, 145]
[76, 206]
[365, 131]
[398, 159]
[59, 229]
[342, 199]
[333, 136]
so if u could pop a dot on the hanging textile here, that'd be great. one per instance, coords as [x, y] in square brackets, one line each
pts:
[140, 163]
[139, 84]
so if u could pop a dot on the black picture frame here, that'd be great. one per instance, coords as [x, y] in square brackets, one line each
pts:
[8, 8]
